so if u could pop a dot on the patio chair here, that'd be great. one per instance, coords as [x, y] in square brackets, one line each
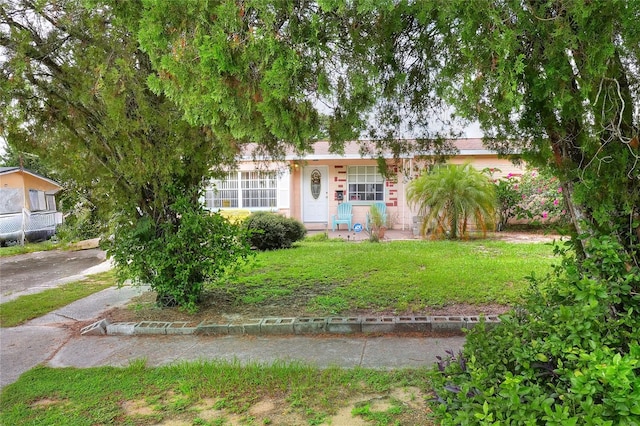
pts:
[344, 216]
[382, 208]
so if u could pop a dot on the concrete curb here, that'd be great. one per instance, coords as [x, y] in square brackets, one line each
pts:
[297, 326]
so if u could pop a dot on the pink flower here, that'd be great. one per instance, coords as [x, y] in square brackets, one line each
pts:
[544, 215]
[559, 189]
[555, 202]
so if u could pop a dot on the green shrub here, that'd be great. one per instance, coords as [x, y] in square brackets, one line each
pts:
[270, 231]
[178, 258]
[569, 356]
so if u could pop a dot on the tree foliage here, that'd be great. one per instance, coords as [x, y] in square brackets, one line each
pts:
[12, 157]
[450, 197]
[279, 73]
[179, 261]
[559, 84]
[74, 91]
[563, 358]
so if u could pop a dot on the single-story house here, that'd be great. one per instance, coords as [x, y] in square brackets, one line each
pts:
[309, 188]
[27, 205]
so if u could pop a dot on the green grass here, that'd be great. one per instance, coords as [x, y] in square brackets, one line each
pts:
[32, 306]
[206, 393]
[401, 275]
[333, 277]
[337, 276]
[31, 247]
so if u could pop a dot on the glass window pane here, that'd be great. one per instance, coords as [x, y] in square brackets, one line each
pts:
[365, 183]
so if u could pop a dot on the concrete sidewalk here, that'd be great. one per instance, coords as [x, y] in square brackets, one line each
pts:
[52, 341]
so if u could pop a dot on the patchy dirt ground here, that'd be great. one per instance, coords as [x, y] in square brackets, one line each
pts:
[526, 237]
[407, 405]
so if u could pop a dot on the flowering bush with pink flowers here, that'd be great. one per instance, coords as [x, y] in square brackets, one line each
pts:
[535, 196]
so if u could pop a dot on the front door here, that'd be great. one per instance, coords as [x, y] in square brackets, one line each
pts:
[315, 193]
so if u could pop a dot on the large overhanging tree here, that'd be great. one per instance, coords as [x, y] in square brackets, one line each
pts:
[73, 89]
[279, 73]
[555, 82]
[559, 83]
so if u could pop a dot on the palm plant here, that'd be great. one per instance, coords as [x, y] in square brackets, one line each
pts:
[451, 196]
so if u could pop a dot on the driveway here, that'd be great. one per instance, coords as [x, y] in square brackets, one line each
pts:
[35, 272]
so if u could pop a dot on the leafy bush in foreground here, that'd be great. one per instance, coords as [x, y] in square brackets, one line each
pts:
[178, 259]
[270, 231]
[569, 356]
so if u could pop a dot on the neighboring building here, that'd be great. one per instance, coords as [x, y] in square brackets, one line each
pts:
[27, 205]
[310, 188]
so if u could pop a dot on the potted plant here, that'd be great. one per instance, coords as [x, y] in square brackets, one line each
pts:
[377, 224]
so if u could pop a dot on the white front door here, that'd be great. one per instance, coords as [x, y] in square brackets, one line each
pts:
[315, 193]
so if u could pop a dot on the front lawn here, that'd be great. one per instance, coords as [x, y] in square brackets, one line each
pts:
[328, 277]
[337, 276]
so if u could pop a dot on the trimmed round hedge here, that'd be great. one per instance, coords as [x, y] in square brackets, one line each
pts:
[270, 231]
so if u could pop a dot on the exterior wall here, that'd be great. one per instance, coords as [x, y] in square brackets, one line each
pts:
[399, 212]
[25, 182]
[337, 181]
[12, 193]
[32, 182]
[12, 180]
[295, 194]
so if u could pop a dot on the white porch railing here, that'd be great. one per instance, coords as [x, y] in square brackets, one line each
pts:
[18, 226]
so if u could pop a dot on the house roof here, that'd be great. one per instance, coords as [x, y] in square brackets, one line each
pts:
[352, 150]
[9, 170]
